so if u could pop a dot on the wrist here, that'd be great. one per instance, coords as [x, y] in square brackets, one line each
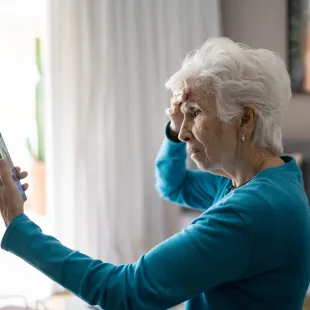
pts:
[173, 134]
[10, 216]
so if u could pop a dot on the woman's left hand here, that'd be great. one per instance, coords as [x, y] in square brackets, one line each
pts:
[11, 201]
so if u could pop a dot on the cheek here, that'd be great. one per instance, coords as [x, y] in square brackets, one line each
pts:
[229, 136]
[206, 133]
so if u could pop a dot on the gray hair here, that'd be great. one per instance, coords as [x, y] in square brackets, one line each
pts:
[238, 75]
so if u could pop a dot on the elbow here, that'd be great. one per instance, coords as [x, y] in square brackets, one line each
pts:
[169, 184]
[161, 187]
[167, 193]
[162, 192]
[163, 184]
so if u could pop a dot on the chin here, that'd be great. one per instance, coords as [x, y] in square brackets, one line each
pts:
[208, 166]
[202, 165]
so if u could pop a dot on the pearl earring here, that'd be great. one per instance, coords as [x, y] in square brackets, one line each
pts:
[243, 137]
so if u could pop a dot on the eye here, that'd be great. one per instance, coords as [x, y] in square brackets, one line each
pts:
[196, 111]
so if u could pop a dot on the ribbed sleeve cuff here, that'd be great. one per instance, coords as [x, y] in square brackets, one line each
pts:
[11, 231]
[167, 136]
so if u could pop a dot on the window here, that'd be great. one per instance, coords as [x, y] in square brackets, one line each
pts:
[21, 22]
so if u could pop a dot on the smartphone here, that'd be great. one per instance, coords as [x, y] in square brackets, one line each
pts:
[4, 153]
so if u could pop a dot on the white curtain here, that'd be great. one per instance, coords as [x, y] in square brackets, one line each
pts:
[109, 60]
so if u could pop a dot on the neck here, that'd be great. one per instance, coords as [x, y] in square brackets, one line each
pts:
[245, 166]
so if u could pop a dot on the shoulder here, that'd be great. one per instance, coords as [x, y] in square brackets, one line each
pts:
[269, 204]
[274, 193]
[274, 199]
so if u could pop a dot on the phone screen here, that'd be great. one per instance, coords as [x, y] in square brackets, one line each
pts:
[4, 153]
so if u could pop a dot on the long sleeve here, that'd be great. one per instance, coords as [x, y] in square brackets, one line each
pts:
[212, 251]
[174, 182]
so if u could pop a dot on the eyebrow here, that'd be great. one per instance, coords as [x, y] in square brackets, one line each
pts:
[188, 105]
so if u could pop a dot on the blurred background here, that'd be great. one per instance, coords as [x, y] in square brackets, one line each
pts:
[82, 110]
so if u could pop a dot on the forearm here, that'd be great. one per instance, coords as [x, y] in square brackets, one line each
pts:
[174, 182]
[170, 168]
[87, 278]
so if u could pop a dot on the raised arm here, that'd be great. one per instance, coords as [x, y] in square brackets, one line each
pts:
[210, 252]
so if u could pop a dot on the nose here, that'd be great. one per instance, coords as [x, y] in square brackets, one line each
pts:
[185, 133]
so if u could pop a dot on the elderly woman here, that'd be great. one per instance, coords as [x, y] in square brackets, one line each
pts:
[249, 249]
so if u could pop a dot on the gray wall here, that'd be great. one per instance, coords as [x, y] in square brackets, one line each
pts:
[262, 23]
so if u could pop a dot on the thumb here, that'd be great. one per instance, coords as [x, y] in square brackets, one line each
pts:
[5, 173]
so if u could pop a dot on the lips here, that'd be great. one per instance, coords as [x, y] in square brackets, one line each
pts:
[193, 151]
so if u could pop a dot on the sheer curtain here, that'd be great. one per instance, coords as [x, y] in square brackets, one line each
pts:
[109, 60]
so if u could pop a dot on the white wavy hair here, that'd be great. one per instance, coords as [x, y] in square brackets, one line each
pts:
[238, 75]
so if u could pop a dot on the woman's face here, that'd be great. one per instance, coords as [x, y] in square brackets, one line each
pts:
[210, 142]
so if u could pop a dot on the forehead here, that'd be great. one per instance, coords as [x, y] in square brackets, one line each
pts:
[197, 96]
[202, 100]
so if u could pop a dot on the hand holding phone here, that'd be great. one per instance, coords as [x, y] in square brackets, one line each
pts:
[4, 153]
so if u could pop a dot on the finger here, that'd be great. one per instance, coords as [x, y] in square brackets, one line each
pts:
[175, 109]
[179, 98]
[168, 112]
[185, 94]
[175, 101]
[25, 186]
[186, 91]
[5, 173]
[22, 175]
[182, 95]
[171, 110]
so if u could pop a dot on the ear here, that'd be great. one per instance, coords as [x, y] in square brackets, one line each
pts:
[247, 120]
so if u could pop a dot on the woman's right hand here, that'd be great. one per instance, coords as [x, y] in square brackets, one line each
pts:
[175, 114]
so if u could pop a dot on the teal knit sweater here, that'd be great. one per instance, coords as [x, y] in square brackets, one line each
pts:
[249, 249]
